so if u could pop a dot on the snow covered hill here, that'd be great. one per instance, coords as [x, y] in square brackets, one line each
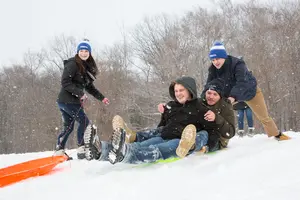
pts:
[257, 168]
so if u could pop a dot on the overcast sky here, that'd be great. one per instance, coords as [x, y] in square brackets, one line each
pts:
[30, 24]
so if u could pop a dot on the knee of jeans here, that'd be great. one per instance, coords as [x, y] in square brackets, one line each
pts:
[202, 135]
[68, 127]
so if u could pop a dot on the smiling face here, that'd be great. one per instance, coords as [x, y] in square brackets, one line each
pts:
[83, 54]
[181, 93]
[218, 62]
[212, 97]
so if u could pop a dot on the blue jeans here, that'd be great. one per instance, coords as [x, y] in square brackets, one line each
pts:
[142, 137]
[249, 116]
[145, 135]
[70, 114]
[147, 151]
[157, 148]
[152, 149]
[201, 140]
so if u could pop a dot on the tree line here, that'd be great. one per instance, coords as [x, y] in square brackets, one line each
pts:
[136, 71]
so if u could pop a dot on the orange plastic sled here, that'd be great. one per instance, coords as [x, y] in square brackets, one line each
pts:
[32, 168]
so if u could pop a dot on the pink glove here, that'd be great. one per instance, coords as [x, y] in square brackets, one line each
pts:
[83, 99]
[105, 101]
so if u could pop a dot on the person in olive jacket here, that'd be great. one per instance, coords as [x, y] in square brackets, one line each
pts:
[241, 85]
[221, 111]
[78, 76]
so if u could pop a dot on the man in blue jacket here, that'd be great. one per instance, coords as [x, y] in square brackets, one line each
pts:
[241, 85]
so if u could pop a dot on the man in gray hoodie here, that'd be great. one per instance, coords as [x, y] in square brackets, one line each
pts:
[182, 118]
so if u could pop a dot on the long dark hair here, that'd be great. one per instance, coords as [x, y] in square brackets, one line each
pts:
[90, 61]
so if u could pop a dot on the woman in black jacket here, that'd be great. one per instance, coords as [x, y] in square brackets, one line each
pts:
[78, 76]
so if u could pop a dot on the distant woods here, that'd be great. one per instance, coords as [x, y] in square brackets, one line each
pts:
[135, 72]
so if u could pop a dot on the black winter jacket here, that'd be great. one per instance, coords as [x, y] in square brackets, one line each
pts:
[74, 83]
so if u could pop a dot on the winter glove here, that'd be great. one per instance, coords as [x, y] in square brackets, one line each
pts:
[105, 101]
[83, 99]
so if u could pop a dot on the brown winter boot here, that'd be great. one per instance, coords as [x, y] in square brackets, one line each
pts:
[281, 137]
[187, 140]
[118, 122]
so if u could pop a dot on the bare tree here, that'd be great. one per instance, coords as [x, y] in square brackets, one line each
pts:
[61, 48]
[135, 73]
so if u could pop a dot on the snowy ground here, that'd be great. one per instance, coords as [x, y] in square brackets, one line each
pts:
[257, 168]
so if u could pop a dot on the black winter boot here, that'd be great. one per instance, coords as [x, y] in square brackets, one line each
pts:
[117, 153]
[92, 143]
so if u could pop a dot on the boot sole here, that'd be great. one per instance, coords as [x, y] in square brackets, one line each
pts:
[87, 137]
[114, 153]
[187, 140]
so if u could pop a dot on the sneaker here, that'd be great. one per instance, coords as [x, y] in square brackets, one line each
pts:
[81, 152]
[241, 133]
[92, 143]
[282, 136]
[187, 140]
[118, 122]
[116, 154]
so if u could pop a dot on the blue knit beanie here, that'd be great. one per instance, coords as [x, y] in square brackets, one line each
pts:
[85, 44]
[217, 51]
